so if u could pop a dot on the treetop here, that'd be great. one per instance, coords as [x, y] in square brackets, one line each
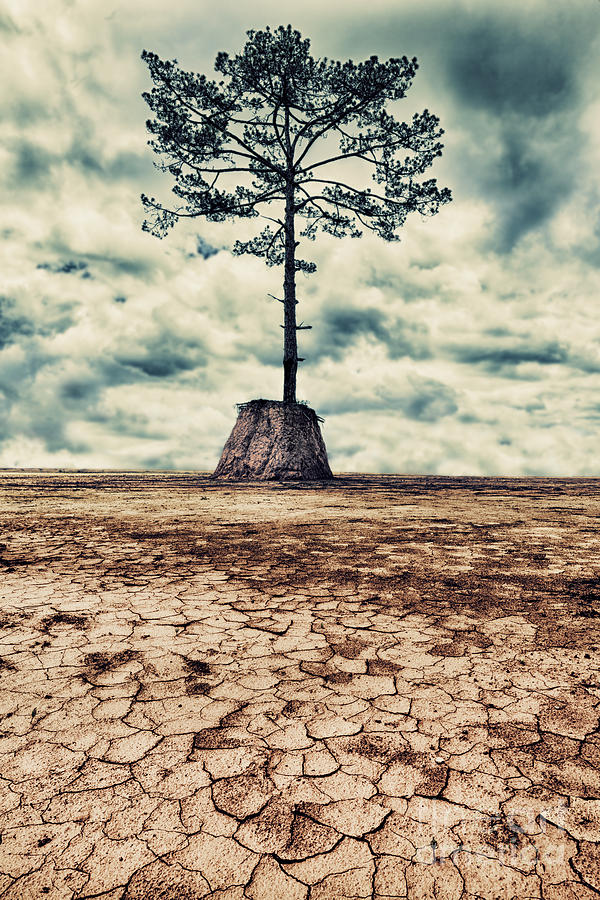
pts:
[237, 145]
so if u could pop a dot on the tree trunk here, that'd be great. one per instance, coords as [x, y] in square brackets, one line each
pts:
[290, 345]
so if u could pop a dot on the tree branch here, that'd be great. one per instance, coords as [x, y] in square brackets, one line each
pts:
[349, 187]
[223, 130]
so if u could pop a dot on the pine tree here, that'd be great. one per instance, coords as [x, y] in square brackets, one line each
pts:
[248, 144]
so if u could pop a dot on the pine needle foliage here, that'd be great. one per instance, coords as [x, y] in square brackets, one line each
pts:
[282, 135]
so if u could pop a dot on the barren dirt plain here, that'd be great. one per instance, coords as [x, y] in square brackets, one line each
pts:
[381, 687]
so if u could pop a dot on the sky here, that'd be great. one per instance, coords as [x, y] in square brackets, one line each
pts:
[471, 347]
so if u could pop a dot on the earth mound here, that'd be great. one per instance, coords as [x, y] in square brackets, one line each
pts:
[274, 441]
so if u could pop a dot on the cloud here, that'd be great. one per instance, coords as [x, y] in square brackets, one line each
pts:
[7, 25]
[161, 357]
[408, 393]
[12, 325]
[504, 65]
[429, 401]
[66, 268]
[204, 249]
[16, 326]
[517, 79]
[339, 328]
[506, 357]
[469, 348]
[510, 82]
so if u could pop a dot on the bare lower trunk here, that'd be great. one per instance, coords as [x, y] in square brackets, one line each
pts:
[290, 346]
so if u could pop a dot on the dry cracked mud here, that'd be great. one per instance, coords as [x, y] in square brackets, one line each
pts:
[381, 687]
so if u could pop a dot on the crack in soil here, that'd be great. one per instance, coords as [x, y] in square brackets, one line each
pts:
[377, 687]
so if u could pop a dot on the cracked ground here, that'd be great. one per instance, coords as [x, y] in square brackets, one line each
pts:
[381, 687]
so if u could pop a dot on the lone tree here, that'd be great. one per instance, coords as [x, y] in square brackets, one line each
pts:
[250, 143]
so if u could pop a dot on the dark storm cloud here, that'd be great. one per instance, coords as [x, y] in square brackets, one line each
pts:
[159, 461]
[204, 248]
[24, 113]
[84, 156]
[586, 362]
[45, 389]
[338, 329]
[403, 284]
[77, 390]
[530, 182]
[12, 324]
[16, 325]
[266, 352]
[51, 429]
[33, 165]
[141, 267]
[517, 78]
[430, 401]
[499, 359]
[7, 25]
[46, 415]
[110, 264]
[590, 253]
[135, 425]
[504, 66]
[421, 399]
[505, 357]
[164, 356]
[506, 80]
[77, 267]
[43, 414]
[129, 167]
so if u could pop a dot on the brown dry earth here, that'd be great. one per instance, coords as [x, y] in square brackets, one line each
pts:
[380, 687]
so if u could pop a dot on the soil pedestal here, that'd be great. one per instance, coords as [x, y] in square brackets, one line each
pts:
[274, 441]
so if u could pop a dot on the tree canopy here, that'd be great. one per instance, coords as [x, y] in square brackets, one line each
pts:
[281, 135]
